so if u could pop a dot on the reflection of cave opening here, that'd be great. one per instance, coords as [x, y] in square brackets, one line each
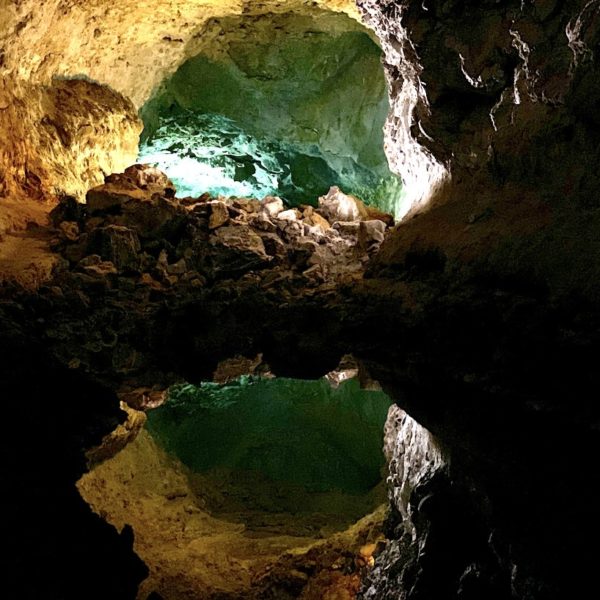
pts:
[256, 485]
[284, 105]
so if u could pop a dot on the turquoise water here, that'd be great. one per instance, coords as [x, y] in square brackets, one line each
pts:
[300, 432]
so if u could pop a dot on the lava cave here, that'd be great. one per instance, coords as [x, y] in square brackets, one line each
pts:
[299, 299]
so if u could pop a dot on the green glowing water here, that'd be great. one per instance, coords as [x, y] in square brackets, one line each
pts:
[299, 432]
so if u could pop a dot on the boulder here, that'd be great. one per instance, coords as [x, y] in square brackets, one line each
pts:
[219, 215]
[68, 209]
[145, 176]
[272, 206]
[371, 232]
[110, 197]
[337, 206]
[289, 215]
[236, 249]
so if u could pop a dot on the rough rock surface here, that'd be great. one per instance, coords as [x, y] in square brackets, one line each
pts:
[480, 315]
[82, 69]
[62, 137]
[204, 538]
[492, 396]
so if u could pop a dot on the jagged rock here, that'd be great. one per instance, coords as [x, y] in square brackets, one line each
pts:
[237, 248]
[69, 230]
[289, 215]
[101, 269]
[272, 206]
[274, 246]
[116, 244]
[371, 233]
[147, 280]
[75, 252]
[91, 259]
[337, 206]
[68, 209]
[145, 176]
[316, 220]
[154, 218]
[178, 268]
[264, 223]
[347, 228]
[249, 205]
[219, 215]
[111, 196]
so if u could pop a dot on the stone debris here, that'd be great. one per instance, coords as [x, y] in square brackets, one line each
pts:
[135, 229]
[337, 206]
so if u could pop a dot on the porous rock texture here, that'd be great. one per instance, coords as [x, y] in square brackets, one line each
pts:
[479, 314]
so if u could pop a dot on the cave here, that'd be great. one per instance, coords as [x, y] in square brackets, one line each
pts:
[286, 105]
[299, 299]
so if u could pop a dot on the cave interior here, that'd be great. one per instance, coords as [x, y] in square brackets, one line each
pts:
[300, 299]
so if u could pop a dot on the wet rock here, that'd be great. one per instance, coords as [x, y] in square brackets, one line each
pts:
[116, 244]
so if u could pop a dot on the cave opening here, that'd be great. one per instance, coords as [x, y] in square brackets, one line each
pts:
[277, 104]
[259, 487]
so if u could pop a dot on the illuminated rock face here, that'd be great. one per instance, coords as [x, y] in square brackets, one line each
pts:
[279, 104]
[48, 147]
[63, 137]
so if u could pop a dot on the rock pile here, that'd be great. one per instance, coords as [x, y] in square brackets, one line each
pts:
[133, 228]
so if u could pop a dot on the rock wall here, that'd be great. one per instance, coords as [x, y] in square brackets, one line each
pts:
[494, 129]
[493, 97]
[63, 138]
[128, 46]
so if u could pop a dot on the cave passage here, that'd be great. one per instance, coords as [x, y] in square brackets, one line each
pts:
[284, 105]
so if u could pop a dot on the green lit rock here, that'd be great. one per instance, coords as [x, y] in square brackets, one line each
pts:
[288, 106]
[304, 433]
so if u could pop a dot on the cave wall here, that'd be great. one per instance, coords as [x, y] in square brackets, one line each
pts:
[497, 106]
[63, 137]
[128, 46]
[309, 85]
